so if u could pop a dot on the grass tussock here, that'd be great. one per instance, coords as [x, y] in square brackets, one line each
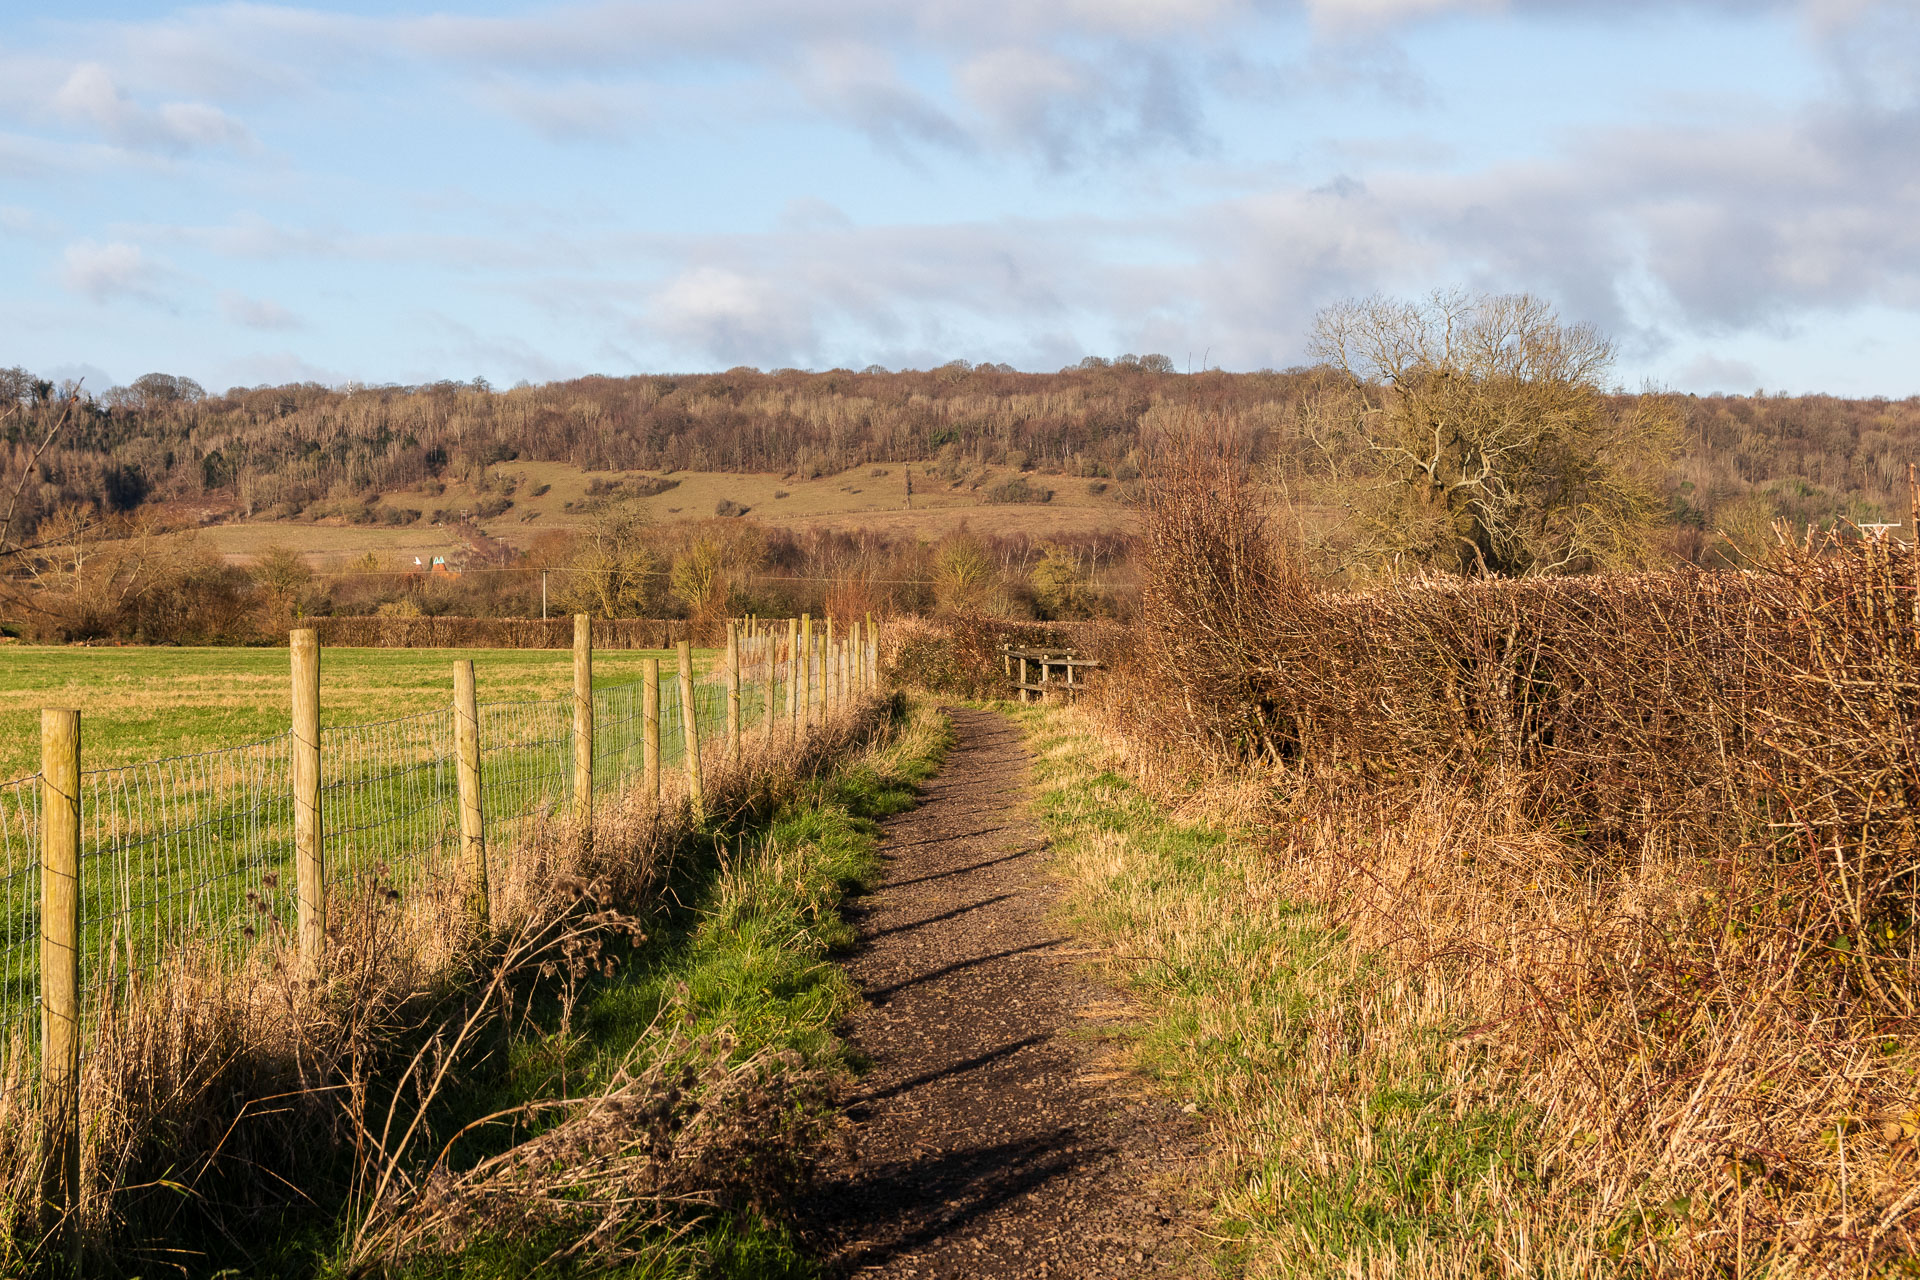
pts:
[219, 1106]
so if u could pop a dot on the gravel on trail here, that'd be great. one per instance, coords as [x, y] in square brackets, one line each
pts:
[994, 1135]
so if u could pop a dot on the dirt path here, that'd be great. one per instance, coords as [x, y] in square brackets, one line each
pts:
[990, 1141]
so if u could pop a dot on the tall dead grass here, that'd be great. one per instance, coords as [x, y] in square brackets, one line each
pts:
[1646, 845]
[212, 1098]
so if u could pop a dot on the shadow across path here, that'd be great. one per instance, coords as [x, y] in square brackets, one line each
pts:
[985, 1142]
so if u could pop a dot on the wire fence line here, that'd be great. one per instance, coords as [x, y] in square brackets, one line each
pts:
[199, 851]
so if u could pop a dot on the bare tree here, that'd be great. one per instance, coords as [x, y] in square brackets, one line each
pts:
[1487, 444]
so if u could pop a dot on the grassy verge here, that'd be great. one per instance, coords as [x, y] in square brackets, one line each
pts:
[729, 1001]
[1356, 1131]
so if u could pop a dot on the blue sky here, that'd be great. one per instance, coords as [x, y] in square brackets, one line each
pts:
[248, 193]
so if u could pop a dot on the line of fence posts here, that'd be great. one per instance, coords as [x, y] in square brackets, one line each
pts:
[852, 665]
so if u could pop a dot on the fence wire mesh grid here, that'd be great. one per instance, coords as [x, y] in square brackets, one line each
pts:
[197, 853]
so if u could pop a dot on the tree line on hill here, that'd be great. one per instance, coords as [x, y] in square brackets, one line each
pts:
[280, 451]
[1463, 434]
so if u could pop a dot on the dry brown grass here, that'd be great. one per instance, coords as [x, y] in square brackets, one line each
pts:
[212, 1097]
[1638, 853]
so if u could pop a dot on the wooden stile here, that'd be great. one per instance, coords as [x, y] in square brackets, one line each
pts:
[473, 821]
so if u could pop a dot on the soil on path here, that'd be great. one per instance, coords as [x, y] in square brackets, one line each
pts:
[991, 1136]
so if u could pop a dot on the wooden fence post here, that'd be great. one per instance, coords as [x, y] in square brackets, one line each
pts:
[60, 965]
[733, 694]
[473, 818]
[850, 665]
[1026, 694]
[828, 702]
[583, 724]
[650, 729]
[793, 679]
[690, 724]
[806, 675]
[309, 835]
[772, 681]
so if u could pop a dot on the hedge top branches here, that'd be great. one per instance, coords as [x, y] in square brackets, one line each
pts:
[1491, 444]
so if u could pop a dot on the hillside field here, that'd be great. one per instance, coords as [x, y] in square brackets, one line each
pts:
[147, 703]
[862, 498]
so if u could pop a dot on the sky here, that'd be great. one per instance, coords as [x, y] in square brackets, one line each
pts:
[405, 191]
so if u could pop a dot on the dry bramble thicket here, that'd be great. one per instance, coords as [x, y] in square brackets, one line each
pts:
[211, 1097]
[1648, 845]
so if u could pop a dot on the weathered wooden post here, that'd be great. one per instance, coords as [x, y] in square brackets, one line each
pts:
[583, 724]
[793, 679]
[1026, 694]
[1046, 674]
[769, 711]
[733, 694]
[690, 724]
[806, 677]
[310, 880]
[60, 964]
[829, 701]
[851, 677]
[650, 729]
[473, 820]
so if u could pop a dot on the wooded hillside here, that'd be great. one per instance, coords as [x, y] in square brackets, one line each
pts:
[275, 451]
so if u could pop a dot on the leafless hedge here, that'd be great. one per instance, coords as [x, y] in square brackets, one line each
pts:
[1658, 831]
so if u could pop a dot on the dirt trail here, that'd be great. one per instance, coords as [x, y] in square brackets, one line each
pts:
[990, 1139]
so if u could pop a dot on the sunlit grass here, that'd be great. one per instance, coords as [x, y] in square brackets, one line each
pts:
[148, 703]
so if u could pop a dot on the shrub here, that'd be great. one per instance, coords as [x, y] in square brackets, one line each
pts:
[1018, 489]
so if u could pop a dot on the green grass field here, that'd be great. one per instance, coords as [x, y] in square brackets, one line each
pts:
[144, 704]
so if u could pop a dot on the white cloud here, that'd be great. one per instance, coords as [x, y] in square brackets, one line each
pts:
[105, 272]
[90, 96]
[1376, 13]
[25, 223]
[1707, 373]
[573, 111]
[733, 316]
[256, 313]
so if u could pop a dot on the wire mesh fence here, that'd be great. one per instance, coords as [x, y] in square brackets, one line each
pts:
[20, 909]
[198, 851]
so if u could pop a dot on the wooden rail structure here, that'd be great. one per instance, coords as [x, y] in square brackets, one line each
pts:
[1047, 661]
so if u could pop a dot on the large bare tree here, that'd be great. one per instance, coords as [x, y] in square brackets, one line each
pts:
[1479, 435]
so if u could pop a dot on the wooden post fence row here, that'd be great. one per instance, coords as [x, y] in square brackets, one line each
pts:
[822, 677]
